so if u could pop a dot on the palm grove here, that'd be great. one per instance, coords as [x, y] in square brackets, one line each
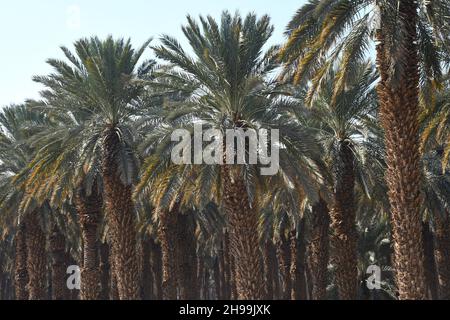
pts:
[360, 95]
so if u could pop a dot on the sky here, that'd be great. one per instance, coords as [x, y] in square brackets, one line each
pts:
[32, 31]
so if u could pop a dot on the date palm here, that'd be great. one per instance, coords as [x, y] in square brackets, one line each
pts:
[342, 125]
[18, 124]
[226, 88]
[408, 35]
[435, 148]
[437, 199]
[103, 80]
[225, 72]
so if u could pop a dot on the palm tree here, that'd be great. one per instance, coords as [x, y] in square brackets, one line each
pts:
[18, 124]
[227, 70]
[319, 34]
[226, 89]
[342, 123]
[61, 173]
[103, 80]
[435, 149]
[437, 199]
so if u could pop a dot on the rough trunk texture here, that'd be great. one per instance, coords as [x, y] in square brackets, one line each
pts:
[430, 263]
[89, 206]
[186, 257]
[105, 270]
[114, 290]
[57, 244]
[121, 220]
[167, 230]
[399, 110]
[298, 259]
[228, 267]
[243, 226]
[318, 249]
[442, 253]
[36, 258]
[343, 224]
[20, 268]
[284, 263]
[270, 270]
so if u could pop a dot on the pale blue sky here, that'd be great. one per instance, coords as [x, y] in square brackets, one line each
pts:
[32, 31]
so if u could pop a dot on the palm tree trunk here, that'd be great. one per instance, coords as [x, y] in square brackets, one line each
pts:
[121, 220]
[167, 235]
[156, 263]
[243, 226]
[284, 262]
[228, 267]
[217, 282]
[318, 249]
[36, 257]
[298, 258]
[343, 216]
[399, 108]
[89, 208]
[223, 294]
[186, 247]
[114, 291]
[270, 270]
[57, 244]
[105, 270]
[442, 253]
[20, 270]
[147, 275]
[430, 263]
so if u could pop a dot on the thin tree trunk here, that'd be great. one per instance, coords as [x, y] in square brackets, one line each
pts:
[269, 268]
[156, 259]
[89, 206]
[206, 284]
[229, 278]
[186, 247]
[57, 244]
[105, 270]
[167, 235]
[217, 282]
[318, 249]
[222, 295]
[399, 109]
[147, 275]
[201, 275]
[442, 253]
[36, 257]
[284, 262]
[343, 224]
[20, 270]
[430, 263]
[121, 219]
[243, 226]
[298, 258]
